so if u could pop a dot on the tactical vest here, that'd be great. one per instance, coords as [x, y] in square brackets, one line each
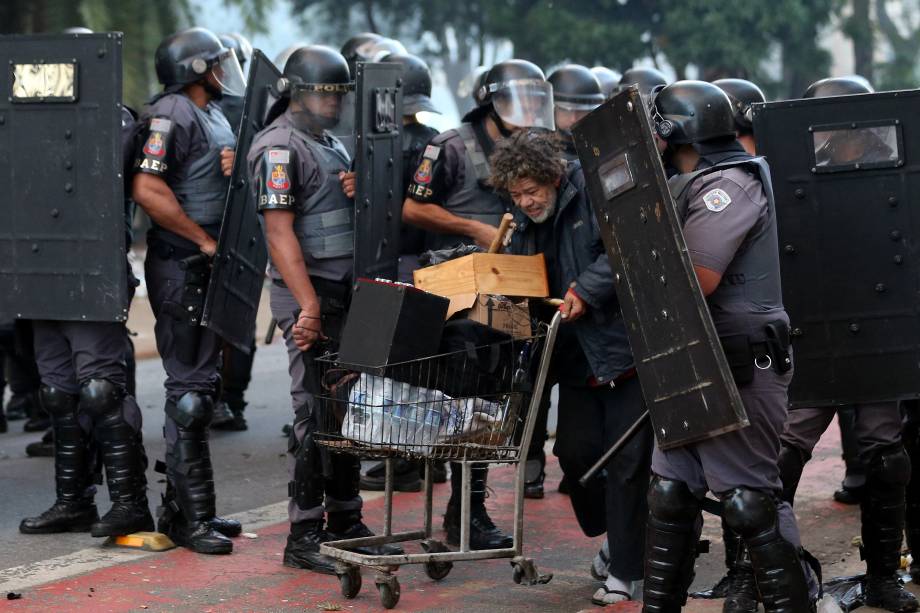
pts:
[325, 223]
[753, 276]
[474, 199]
[202, 188]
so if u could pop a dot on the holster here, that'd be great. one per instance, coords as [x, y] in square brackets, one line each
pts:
[187, 312]
[744, 355]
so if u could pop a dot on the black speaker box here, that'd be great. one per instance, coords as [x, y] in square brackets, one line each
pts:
[389, 323]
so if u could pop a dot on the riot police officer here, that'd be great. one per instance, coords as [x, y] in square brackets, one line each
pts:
[880, 448]
[743, 95]
[724, 199]
[299, 173]
[416, 135]
[645, 78]
[232, 106]
[576, 92]
[88, 390]
[609, 80]
[181, 182]
[355, 49]
[450, 198]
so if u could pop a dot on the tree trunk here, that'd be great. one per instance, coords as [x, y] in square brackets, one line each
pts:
[859, 29]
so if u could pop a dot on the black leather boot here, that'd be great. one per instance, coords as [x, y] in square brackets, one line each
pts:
[189, 469]
[123, 457]
[302, 549]
[776, 562]
[39, 419]
[911, 438]
[742, 595]
[483, 532]
[74, 510]
[348, 525]
[883, 508]
[405, 477]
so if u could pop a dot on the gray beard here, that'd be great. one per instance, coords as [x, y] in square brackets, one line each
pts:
[546, 214]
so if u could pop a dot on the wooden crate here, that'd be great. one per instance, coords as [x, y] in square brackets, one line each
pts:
[486, 273]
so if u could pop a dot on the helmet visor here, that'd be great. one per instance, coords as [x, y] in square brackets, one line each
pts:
[229, 75]
[525, 103]
[322, 102]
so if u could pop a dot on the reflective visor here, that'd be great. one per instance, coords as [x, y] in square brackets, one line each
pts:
[229, 75]
[568, 105]
[524, 103]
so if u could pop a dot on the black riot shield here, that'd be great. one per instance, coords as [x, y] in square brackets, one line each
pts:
[239, 265]
[685, 377]
[62, 234]
[849, 235]
[378, 165]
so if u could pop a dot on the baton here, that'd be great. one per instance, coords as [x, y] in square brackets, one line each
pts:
[270, 333]
[621, 442]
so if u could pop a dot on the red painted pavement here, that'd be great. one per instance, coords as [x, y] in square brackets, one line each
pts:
[253, 578]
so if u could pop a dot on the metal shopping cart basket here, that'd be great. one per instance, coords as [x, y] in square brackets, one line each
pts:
[473, 407]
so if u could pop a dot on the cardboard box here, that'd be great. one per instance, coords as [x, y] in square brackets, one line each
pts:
[486, 273]
[493, 311]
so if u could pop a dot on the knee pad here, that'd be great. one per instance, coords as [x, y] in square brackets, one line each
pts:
[749, 512]
[58, 403]
[891, 466]
[192, 411]
[672, 500]
[100, 397]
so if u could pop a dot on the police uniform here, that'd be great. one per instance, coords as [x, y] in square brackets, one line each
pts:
[729, 226]
[291, 170]
[183, 147]
[416, 137]
[452, 173]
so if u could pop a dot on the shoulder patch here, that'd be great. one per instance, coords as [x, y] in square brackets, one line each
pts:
[716, 200]
[432, 152]
[423, 172]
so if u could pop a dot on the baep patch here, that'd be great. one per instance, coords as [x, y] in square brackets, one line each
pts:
[716, 200]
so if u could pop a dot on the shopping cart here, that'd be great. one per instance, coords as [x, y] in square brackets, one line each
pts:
[473, 407]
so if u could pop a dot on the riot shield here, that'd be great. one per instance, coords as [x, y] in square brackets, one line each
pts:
[685, 377]
[845, 189]
[62, 235]
[378, 165]
[238, 273]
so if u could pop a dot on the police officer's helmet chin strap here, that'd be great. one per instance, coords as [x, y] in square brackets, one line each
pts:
[502, 128]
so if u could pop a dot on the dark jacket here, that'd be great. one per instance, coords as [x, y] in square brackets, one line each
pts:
[572, 244]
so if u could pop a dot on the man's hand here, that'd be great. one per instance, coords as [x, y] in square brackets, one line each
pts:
[227, 156]
[572, 306]
[209, 247]
[307, 329]
[349, 183]
[484, 234]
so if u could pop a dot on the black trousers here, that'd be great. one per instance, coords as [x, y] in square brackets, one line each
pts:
[590, 422]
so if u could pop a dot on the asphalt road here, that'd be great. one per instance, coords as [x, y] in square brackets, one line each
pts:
[250, 468]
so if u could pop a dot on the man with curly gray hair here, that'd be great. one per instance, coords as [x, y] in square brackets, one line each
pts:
[599, 394]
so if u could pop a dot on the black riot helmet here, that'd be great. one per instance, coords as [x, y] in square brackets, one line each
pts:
[356, 48]
[517, 93]
[742, 94]
[377, 50]
[317, 78]
[416, 83]
[189, 55]
[240, 45]
[576, 92]
[282, 58]
[646, 78]
[687, 112]
[576, 87]
[609, 80]
[838, 86]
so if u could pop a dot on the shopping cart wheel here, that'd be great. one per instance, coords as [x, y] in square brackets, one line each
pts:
[388, 586]
[524, 572]
[350, 582]
[436, 570]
